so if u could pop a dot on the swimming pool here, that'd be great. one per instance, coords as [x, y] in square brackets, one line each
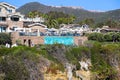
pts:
[66, 40]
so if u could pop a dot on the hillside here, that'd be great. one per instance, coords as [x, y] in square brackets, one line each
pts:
[56, 62]
[78, 12]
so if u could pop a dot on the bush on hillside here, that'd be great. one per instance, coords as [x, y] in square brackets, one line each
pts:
[96, 36]
[108, 37]
[20, 63]
[77, 54]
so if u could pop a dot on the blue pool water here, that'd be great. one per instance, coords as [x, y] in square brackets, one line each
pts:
[59, 39]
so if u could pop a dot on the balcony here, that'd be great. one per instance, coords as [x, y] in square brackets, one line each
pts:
[33, 19]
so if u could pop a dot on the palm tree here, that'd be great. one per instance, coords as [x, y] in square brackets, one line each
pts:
[52, 23]
[31, 15]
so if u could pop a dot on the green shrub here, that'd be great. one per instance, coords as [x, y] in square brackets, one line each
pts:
[5, 38]
[107, 37]
[96, 36]
[15, 62]
[75, 55]
[100, 64]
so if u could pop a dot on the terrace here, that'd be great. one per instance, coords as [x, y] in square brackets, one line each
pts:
[48, 34]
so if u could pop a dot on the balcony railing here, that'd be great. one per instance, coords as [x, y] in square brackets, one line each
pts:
[27, 34]
[34, 19]
[46, 34]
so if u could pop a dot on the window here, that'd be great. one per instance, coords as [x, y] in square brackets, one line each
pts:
[2, 18]
[14, 18]
[9, 10]
[2, 29]
[0, 9]
[14, 28]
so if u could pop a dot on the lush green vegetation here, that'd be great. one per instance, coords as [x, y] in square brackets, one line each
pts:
[100, 65]
[21, 62]
[101, 56]
[25, 63]
[77, 54]
[14, 65]
[108, 37]
[94, 24]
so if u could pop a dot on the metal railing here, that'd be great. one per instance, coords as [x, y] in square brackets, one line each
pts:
[46, 34]
[27, 34]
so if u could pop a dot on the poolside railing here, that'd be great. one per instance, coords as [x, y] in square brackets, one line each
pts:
[47, 34]
[27, 34]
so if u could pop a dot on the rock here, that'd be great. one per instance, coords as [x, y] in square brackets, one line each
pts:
[59, 79]
[84, 75]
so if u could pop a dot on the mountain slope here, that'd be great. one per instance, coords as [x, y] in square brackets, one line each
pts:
[79, 13]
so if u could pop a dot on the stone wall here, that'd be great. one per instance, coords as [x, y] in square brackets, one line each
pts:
[24, 39]
[18, 24]
[80, 40]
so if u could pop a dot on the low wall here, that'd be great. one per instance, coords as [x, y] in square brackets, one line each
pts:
[80, 40]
